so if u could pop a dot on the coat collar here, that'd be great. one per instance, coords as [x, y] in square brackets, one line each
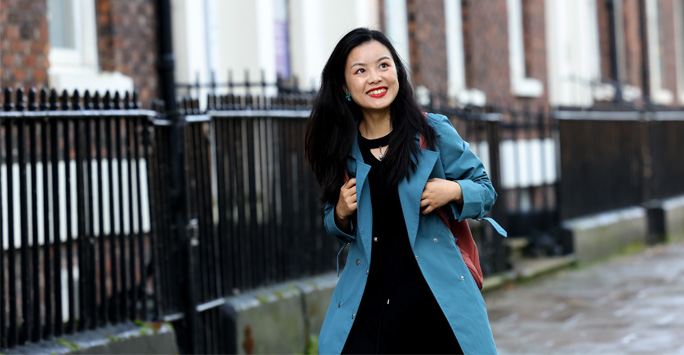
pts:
[410, 191]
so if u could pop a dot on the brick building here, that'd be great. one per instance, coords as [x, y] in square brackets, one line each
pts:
[538, 52]
[79, 44]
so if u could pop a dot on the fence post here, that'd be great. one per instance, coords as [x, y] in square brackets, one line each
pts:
[499, 258]
[178, 205]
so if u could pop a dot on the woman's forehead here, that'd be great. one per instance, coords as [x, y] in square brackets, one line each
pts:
[367, 53]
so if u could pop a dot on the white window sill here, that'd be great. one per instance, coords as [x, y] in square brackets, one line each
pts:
[526, 87]
[662, 96]
[606, 92]
[472, 97]
[81, 79]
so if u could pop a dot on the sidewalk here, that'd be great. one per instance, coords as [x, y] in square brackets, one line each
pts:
[631, 304]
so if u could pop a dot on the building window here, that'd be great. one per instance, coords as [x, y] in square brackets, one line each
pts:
[282, 39]
[658, 94]
[455, 46]
[521, 86]
[72, 33]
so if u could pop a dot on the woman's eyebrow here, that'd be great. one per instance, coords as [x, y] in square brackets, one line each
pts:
[362, 64]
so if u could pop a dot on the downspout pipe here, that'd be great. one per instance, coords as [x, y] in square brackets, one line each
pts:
[614, 69]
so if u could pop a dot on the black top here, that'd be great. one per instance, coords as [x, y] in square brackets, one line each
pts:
[398, 313]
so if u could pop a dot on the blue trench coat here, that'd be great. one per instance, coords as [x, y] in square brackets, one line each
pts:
[435, 249]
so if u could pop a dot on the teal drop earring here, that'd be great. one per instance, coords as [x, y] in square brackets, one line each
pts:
[347, 95]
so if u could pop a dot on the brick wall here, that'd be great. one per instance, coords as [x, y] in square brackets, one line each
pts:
[24, 43]
[126, 36]
[427, 44]
[633, 57]
[485, 32]
[604, 29]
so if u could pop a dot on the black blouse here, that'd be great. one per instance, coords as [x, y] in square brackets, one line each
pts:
[398, 313]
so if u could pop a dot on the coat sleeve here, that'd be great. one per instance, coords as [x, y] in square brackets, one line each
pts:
[464, 167]
[331, 226]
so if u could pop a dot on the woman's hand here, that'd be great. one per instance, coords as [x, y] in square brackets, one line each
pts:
[346, 205]
[439, 192]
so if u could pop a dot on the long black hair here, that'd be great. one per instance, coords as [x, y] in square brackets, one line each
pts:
[334, 121]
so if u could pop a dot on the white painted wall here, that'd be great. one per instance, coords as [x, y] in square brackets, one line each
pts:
[106, 226]
[244, 39]
[572, 47]
[317, 26]
[396, 28]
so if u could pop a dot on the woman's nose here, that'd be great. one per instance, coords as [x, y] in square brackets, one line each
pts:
[374, 77]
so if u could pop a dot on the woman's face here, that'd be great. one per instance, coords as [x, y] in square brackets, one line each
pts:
[371, 76]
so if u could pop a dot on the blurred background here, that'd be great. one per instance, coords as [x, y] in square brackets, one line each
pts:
[152, 166]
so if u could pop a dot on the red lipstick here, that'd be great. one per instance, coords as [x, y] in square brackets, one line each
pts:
[377, 95]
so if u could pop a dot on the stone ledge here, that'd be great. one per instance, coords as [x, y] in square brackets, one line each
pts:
[674, 218]
[598, 236]
[127, 338]
[283, 318]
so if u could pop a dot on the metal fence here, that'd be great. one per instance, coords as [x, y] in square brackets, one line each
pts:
[74, 222]
[617, 159]
[88, 222]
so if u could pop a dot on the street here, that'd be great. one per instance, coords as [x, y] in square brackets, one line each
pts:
[629, 304]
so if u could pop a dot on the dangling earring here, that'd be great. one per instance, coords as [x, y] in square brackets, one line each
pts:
[347, 95]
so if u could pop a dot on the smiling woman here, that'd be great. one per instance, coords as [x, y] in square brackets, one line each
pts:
[380, 191]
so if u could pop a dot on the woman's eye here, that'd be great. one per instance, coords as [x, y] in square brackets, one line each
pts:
[360, 71]
[384, 65]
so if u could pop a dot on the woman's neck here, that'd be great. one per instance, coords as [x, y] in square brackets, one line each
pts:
[375, 125]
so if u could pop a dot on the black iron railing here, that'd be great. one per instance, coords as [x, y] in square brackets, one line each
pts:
[76, 244]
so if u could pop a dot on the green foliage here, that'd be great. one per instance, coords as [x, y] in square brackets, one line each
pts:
[71, 345]
[311, 345]
[113, 338]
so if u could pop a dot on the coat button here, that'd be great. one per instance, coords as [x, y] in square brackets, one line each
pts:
[367, 271]
[339, 305]
[358, 261]
[435, 240]
[375, 239]
[416, 256]
[353, 314]
[462, 277]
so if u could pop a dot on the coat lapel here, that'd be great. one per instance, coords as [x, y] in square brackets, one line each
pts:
[411, 189]
[365, 210]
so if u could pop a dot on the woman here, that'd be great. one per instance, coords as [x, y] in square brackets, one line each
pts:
[417, 296]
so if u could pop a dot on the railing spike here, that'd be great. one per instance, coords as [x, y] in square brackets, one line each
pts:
[107, 101]
[9, 105]
[96, 101]
[19, 104]
[76, 101]
[117, 100]
[54, 100]
[127, 101]
[135, 102]
[32, 105]
[44, 104]
[87, 102]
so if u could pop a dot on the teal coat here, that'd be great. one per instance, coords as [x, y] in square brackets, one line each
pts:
[435, 248]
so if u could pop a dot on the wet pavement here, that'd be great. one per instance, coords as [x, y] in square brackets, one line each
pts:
[630, 304]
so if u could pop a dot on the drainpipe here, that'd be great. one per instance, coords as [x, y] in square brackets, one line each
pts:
[614, 69]
[644, 54]
[183, 233]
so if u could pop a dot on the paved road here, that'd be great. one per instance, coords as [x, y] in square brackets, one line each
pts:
[631, 304]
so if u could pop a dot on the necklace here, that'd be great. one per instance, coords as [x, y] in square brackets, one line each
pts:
[381, 155]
